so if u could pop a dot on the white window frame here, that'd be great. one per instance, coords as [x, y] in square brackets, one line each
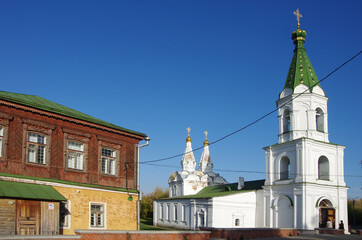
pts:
[175, 212]
[104, 215]
[77, 164]
[183, 213]
[36, 145]
[108, 159]
[2, 130]
[67, 218]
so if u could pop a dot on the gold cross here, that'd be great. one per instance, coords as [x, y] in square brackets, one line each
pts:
[206, 134]
[188, 131]
[297, 13]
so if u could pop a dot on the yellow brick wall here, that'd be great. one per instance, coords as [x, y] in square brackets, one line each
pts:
[121, 214]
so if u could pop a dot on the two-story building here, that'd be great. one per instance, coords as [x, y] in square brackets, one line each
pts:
[61, 169]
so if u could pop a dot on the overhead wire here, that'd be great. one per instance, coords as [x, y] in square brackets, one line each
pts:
[257, 120]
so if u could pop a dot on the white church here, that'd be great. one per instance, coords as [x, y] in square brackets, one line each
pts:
[304, 184]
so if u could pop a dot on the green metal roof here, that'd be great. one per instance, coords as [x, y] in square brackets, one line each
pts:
[71, 183]
[301, 70]
[29, 191]
[49, 106]
[226, 189]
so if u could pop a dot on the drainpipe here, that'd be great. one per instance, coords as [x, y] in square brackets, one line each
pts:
[147, 139]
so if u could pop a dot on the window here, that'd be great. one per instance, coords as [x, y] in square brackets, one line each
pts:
[175, 212]
[108, 161]
[286, 121]
[319, 120]
[36, 148]
[183, 213]
[201, 218]
[1, 140]
[284, 168]
[161, 211]
[75, 155]
[237, 222]
[97, 215]
[64, 214]
[168, 212]
[323, 168]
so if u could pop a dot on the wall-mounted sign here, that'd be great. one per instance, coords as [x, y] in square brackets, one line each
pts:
[51, 206]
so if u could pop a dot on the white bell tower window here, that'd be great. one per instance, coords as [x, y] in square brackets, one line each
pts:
[284, 168]
[323, 168]
[320, 120]
[286, 121]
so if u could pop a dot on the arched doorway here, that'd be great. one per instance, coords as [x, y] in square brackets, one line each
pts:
[326, 212]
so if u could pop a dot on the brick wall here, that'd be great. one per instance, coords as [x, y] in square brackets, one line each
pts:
[143, 235]
[250, 233]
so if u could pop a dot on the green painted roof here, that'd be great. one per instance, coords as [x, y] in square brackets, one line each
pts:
[224, 190]
[49, 106]
[29, 191]
[70, 183]
[301, 70]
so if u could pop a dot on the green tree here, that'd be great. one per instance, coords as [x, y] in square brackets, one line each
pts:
[146, 210]
[355, 213]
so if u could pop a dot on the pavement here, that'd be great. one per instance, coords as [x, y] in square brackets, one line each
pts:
[318, 237]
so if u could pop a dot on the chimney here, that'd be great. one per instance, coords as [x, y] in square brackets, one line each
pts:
[241, 183]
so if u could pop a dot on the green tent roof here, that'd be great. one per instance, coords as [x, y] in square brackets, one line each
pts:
[301, 70]
[49, 106]
[224, 190]
[29, 191]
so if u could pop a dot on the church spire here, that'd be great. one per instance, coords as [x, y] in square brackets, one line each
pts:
[205, 162]
[188, 162]
[300, 70]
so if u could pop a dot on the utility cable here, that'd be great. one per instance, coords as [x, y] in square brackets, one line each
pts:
[260, 118]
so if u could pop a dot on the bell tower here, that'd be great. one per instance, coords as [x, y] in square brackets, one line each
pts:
[304, 171]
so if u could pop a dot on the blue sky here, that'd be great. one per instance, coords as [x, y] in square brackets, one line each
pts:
[160, 66]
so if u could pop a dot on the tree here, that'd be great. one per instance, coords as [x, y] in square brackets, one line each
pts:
[355, 212]
[146, 210]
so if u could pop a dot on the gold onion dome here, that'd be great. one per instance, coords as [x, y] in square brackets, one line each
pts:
[188, 139]
[206, 143]
[299, 34]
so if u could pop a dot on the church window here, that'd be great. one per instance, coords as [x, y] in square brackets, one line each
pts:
[108, 161]
[284, 168]
[75, 155]
[168, 212]
[161, 211]
[286, 121]
[36, 148]
[323, 168]
[175, 212]
[319, 120]
[201, 218]
[183, 213]
[237, 222]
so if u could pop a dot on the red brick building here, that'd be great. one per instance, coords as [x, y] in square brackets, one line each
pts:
[61, 167]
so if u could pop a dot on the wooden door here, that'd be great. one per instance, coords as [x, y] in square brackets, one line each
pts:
[28, 217]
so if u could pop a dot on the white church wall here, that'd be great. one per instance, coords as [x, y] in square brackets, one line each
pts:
[240, 206]
[259, 211]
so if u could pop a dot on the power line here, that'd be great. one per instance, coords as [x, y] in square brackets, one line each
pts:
[251, 171]
[257, 120]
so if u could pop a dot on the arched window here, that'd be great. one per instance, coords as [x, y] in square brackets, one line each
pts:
[201, 218]
[286, 121]
[284, 168]
[319, 120]
[323, 168]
